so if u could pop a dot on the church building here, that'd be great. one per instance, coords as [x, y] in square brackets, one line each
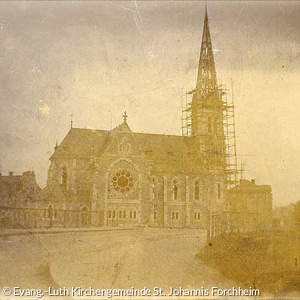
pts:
[123, 178]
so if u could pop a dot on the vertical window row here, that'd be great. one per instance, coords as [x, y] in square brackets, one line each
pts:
[197, 216]
[122, 214]
[175, 215]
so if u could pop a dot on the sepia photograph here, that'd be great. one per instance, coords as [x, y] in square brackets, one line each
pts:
[149, 149]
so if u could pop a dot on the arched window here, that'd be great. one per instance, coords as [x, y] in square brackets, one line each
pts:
[209, 124]
[197, 191]
[109, 214]
[175, 215]
[155, 215]
[153, 189]
[219, 191]
[49, 212]
[84, 216]
[64, 177]
[114, 214]
[197, 215]
[175, 190]
[134, 214]
[125, 147]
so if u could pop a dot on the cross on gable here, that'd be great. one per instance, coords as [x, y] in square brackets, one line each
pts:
[125, 116]
[71, 115]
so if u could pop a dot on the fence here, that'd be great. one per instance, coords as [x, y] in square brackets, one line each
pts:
[18, 217]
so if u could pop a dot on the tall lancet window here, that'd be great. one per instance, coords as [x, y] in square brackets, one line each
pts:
[209, 125]
[124, 146]
[49, 212]
[64, 177]
[153, 189]
[197, 191]
[175, 190]
[219, 191]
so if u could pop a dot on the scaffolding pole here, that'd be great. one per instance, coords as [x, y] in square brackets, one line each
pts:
[231, 164]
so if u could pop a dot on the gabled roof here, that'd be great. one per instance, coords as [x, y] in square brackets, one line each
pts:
[81, 142]
[165, 151]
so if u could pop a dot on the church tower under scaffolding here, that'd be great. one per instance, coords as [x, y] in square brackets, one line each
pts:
[209, 115]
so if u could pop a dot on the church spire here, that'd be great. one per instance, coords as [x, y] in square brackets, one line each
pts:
[206, 79]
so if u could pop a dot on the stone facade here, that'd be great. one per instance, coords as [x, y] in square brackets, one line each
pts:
[124, 178]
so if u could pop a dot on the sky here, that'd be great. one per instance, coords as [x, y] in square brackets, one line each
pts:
[96, 59]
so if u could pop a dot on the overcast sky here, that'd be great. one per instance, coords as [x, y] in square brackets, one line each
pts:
[97, 59]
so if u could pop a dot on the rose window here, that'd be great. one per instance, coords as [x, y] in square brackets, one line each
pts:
[123, 181]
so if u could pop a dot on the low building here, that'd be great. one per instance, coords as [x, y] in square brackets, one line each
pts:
[287, 217]
[249, 207]
[18, 194]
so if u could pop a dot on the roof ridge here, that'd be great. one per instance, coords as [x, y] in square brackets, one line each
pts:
[89, 129]
[142, 133]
